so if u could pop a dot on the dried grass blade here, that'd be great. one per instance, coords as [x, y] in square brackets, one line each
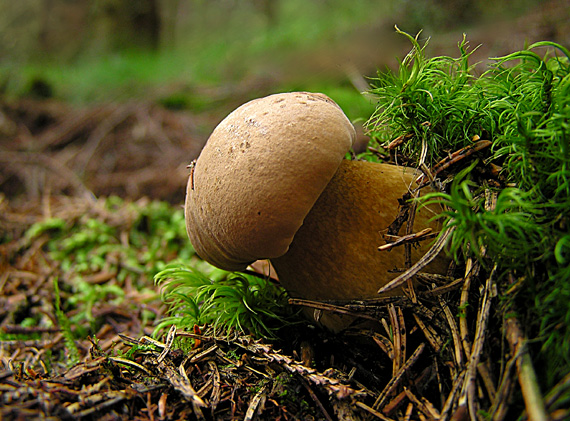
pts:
[420, 264]
[254, 403]
[429, 334]
[372, 411]
[168, 344]
[395, 380]
[315, 399]
[179, 380]
[215, 395]
[423, 405]
[384, 343]
[454, 332]
[532, 396]
[398, 360]
[450, 401]
[500, 405]
[463, 328]
[480, 332]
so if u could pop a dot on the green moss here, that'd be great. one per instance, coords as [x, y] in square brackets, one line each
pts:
[522, 105]
[126, 241]
[229, 301]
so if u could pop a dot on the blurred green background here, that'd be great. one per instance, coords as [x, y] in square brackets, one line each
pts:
[197, 54]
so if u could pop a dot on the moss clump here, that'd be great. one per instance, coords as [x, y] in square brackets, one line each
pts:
[223, 300]
[522, 105]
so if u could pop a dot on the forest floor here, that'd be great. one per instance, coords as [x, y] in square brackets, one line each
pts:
[60, 162]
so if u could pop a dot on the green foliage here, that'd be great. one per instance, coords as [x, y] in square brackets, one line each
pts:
[522, 104]
[508, 232]
[122, 240]
[429, 100]
[86, 295]
[127, 238]
[235, 301]
[65, 326]
[47, 225]
[204, 47]
[530, 101]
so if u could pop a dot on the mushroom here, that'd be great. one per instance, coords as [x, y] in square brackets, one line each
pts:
[272, 183]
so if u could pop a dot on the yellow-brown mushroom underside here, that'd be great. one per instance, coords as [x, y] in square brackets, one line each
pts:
[334, 255]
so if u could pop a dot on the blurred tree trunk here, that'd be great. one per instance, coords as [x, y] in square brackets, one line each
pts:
[173, 14]
[44, 32]
[269, 8]
[61, 27]
[458, 11]
[124, 24]
[65, 29]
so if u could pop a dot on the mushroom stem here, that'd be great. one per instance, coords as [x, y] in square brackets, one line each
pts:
[334, 255]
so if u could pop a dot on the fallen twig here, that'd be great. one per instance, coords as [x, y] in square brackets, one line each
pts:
[395, 380]
[420, 264]
[527, 376]
[468, 390]
[425, 234]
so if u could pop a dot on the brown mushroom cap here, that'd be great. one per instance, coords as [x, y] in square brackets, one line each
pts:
[261, 171]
